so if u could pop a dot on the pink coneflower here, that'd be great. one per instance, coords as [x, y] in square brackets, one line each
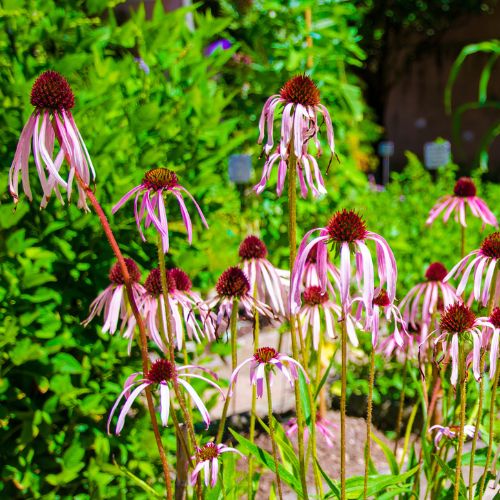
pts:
[459, 324]
[163, 373]
[382, 306]
[262, 275]
[233, 285]
[311, 277]
[450, 432]
[491, 337]
[422, 303]
[323, 426]
[52, 119]
[347, 232]
[464, 193]
[189, 302]
[485, 259]
[301, 104]
[267, 357]
[207, 460]
[114, 300]
[316, 304]
[156, 183]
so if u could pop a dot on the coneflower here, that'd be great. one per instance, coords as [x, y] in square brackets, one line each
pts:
[157, 183]
[300, 100]
[50, 123]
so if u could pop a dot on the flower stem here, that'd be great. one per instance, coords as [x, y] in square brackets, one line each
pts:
[369, 421]
[233, 329]
[256, 331]
[399, 420]
[143, 342]
[462, 241]
[491, 431]
[292, 238]
[343, 391]
[463, 401]
[476, 430]
[271, 432]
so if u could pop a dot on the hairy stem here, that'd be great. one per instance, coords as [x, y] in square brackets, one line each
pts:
[369, 421]
[143, 342]
[463, 394]
[256, 331]
[271, 432]
[462, 241]
[491, 434]
[343, 391]
[401, 405]
[233, 329]
[292, 238]
[476, 430]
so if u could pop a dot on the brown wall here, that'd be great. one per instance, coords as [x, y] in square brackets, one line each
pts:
[415, 112]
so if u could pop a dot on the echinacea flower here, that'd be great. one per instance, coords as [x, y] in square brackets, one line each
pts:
[267, 358]
[233, 288]
[459, 324]
[189, 302]
[382, 307]
[113, 300]
[323, 426]
[52, 97]
[451, 432]
[464, 194]
[422, 303]
[265, 282]
[491, 338]
[156, 183]
[347, 232]
[207, 460]
[311, 277]
[317, 305]
[483, 260]
[301, 104]
[163, 373]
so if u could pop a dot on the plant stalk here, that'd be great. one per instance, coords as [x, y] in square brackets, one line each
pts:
[476, 430]
[343, 391]
[143, 342]
[463, 401]
[292, 238]
[271, 432]
[491, 431]
[369, 421]
[399, 420]
[233, 329]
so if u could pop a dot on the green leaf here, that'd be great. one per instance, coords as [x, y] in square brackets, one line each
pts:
[121, 469]
[376, 484]
[66, 363]
[324, 377]
[333, 485]
[265, 459]
[304, 398]
[450, 474]
[389, 455]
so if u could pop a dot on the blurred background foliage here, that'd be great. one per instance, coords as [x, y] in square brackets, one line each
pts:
[148, 95]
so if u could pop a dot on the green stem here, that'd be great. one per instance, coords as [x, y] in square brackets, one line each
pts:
[271, 432]
[170, 335]
[491, 434]
[462, 242]
[476, 430]
[463, 393]
[369, 421]
[399, 420]
[343, 391]
[292, 237]
[256, 331]
[312, 445]
[233, 331]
